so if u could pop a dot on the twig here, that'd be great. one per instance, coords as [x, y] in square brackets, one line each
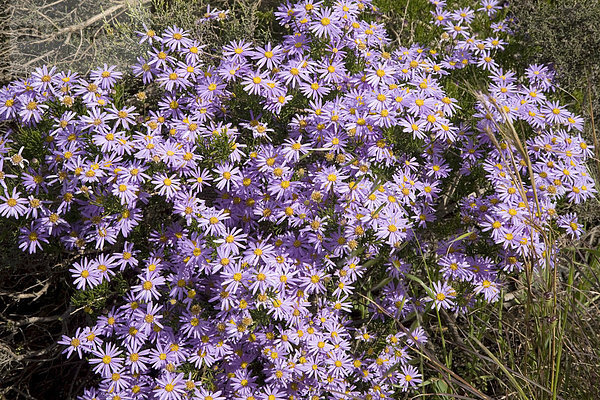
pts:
[91, 21]
[32, 320]
[404, 18]
[34, 295]
[595, 138]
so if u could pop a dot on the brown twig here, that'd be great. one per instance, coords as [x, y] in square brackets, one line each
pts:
[91, 21]
[595, 138]
[22, 296]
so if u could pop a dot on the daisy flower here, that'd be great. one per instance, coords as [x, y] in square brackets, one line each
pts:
[315, 89]
[212, 221]
[125, 191]
[147, 289]
[33, 110]
[233, 240]
[8, 106]
[86, 274]
[257, 251]
[76, 343]
[442, 296]
[148, 35]
[394, 230]
[199, 178]
[330, 178]
[105, 77]
[255, 82]
[295, 73]
[489, 289]
[43, 79]
[409, 377]
[417, 336]
[237, 50]
[233, 275]
[175, 38]
[313, 281]
[227, 175]
[383, 73]
[293, 149]
[325, 25]
[107, 360]
[124, 117]
[339, 363]
[486, 61]
[490, 7]
[267, 56]
[264, 279]
[136, 358]
[173, 79]
[167, 186]
[570, 223]
[31, 238]
[144, 69]
[12, 204]
[105, 264]
[126, 258]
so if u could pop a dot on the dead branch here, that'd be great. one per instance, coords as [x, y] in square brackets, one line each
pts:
[22, 296]
[88, 22]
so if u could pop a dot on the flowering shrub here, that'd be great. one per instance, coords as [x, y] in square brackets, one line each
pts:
[287, 213]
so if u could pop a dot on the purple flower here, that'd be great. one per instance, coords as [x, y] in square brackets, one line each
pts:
[143, 68]
[232, 240]
[393, 230]
[490, 290]
[227, 176]
[173, 79]
[127, 258]
[136, 359]
[103, 233]
[160, 58]
[32, 110]
[148, 35]
[313, 282]
[125, 191]
[31, 238]
[105, 77]
[175, 38]
[268, 56]
[237, 50]
[381, 74]
[325, 25]
[314, 89]
[442, 295]
[248, 239]
[147, 290]
[12, 204]
[75, 344]
[85, 274]
[255, 82]
[44, 79]
[123, 117]
[107, 360]
[167, 186]
[409, 378]
[570, 223]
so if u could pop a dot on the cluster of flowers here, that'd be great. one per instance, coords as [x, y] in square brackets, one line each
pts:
[257, 263]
